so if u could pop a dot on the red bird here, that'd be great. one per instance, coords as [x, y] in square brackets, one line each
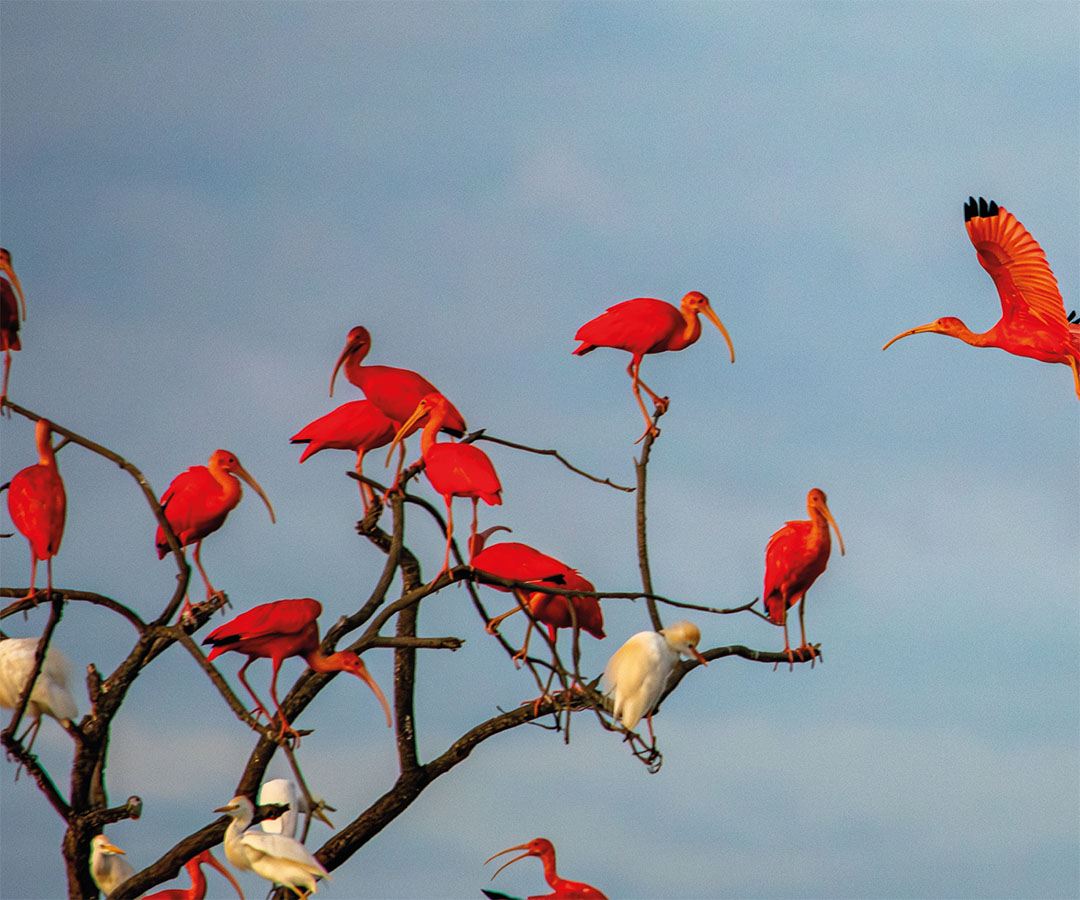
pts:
[794, 557]
[38, 504]
[358, 426]
[645, 325]
[9, 314]
[197, 891]
[197, 503]
[276, 631]
[1033, 321]
[520, 562]
[454, 470]
[564, 889]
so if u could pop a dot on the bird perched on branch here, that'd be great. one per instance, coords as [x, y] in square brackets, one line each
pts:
[637, 673]
[9, 313]
[197, 891]
[645, 325]
[1033, 321]
[107, 868]
[564, 889]
[50, 696]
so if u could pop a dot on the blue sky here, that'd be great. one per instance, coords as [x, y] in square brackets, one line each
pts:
[202, 199]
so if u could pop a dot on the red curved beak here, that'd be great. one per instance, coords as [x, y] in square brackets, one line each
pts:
[525, 847]
[212, 860]
[365, 676]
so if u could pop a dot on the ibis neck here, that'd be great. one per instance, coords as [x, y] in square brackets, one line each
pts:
[691, 332]
[321, 663]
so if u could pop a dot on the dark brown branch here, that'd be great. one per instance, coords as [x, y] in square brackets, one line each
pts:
[78, 596]
[640, 468]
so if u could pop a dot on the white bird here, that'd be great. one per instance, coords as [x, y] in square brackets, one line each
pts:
[275, 857]
[638, 671]
[108, 870]
[283, 790]
[50, 695]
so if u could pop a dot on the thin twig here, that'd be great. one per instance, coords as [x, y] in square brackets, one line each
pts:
[481, 436]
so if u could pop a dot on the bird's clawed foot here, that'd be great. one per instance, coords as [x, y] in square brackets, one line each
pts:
[662, 404]
[651, 431]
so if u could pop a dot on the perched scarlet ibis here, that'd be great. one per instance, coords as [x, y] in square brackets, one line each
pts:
[794, 557]
[275, 857]
[454, 470]
[38, 504]
[50, 696]
[197, 503]
[358, 426]
[394, 391]
[9, 313]
[1033, 321]
[107, 869]
[520, 562]
[645, 325]
[276, 631]
[637, 673]
[197, 891]
[564, 888]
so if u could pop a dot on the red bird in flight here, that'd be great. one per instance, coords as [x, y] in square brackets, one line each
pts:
[454, 470]
[38, 504]
[520, 562]
[794, 557]
[564, 889]
[645, 325]
[9, 313]
[276, 631]
[197, 503]
[1033, 321]
[358, 426]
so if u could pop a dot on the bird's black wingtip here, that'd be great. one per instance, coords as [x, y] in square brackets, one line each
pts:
[981, 209]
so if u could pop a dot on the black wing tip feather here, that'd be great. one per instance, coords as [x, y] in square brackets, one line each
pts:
[980, 209]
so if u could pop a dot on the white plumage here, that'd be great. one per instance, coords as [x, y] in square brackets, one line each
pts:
[275, 857]
[108, 870]
[636, 674]
[50, 696]
[283, 790]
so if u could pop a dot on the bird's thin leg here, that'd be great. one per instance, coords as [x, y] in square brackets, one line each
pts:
[493, 625]
[650, 428]
[523, 652]
[472, 534]
[449, 536]
[787, 647]
[198, 562]
[35, 726]
[286, 728]
[7, 367]
[1075, 365]
[367, 496]
[652, 737]
[33, 577]
[259, 708]
[802, 628]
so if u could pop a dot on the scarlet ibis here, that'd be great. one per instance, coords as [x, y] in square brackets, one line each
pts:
[197, 891]
[50, 695]
[794, 557]
[394, 391]
[1033, 321]
[638, 671]
[520, 562]
[107, 868]
[275, 857]
[454, 470]
[9, 313]
[285, 791]
[38, 505]
[358, 426]
[564, 888]
[645, 325]
[276, 631]
[197, 503]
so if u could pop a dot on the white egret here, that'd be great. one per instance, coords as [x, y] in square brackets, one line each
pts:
[108, 870]
[50, 695]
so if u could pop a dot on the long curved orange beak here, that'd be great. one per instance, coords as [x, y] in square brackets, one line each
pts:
[418, 413]
[525, 847]
[5, 267]
[242, 472]
[829, 516]
[701, 659]
[364, 675]
[903, 334]
[344, 355]
[715, 319]
[207, 857]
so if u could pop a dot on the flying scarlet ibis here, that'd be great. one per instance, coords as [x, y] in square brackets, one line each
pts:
[564, 888]
[645, 325]
[50, 696]
[198, 502]
[358, 426]
[275, 857]
[197, 891]
[520, 562]
[454, 470]
[638, 671]
[1033, 321]
[276, 631]
[38, 504]
[107, 868]
[9, 313]
[794, 557]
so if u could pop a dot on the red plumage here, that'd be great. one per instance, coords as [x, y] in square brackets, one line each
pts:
[37, 503]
